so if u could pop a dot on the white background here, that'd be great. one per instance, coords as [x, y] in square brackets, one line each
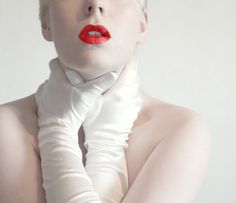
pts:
[189, 59]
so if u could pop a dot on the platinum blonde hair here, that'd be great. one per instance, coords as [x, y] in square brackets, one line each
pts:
[43, 8]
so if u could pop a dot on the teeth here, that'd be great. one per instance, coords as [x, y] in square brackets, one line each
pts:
[94, 33]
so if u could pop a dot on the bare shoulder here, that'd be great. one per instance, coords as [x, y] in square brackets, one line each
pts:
[166, 128]
[23, 109]
[19, 117]
[21, 173]
[174, 120]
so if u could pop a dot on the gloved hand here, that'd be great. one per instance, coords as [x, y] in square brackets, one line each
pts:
[107, 127]
[63, 102]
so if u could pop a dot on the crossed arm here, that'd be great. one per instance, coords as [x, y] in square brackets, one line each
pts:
[177, 166]
[173, 172]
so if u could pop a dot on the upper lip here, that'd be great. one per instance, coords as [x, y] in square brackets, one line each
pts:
[98, 28]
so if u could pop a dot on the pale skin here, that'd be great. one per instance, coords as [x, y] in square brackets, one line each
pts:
[167, 158]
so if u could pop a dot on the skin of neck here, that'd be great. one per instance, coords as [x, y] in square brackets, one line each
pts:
[91, 72]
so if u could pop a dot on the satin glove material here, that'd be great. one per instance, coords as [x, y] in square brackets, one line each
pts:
[107, 127]
[63, 102]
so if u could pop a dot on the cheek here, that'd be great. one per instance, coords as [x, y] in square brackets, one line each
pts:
[129, 31]
[62, 20]
[129, 23]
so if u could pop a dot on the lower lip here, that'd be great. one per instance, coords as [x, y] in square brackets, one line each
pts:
[93, 39]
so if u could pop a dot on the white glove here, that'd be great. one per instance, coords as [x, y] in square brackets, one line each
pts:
[107, 127]
[61, 110]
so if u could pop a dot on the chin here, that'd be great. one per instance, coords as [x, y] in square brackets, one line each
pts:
[95, 60]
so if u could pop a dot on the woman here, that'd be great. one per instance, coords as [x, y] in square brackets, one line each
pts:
[168, 145]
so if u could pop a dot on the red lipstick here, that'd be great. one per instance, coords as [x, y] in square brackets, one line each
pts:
[94, 34]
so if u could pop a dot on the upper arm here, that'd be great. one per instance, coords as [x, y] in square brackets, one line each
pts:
[177, 166]
[182, 160]
[20, 174]
[10, 157]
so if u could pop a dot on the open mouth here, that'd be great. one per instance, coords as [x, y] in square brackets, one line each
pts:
[94, 34]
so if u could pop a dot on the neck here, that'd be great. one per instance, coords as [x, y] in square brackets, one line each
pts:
[88, 72]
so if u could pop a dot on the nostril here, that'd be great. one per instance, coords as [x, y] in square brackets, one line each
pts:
[90, 8]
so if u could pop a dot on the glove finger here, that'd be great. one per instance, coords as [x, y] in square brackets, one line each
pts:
[128, 78]
[74, 77]
[57, 73]
[39, 91]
